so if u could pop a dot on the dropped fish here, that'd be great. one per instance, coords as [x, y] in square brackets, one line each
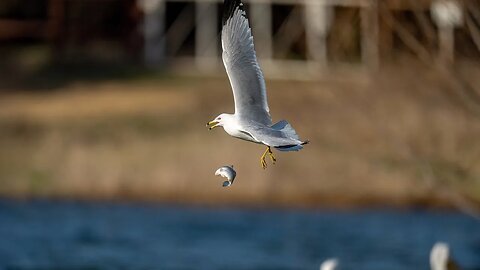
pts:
[227, 172]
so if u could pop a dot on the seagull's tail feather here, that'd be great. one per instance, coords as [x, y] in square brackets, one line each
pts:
[287, 148]
[286, 128]
[291, 147]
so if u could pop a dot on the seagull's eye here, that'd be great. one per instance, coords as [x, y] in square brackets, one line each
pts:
[219, 118]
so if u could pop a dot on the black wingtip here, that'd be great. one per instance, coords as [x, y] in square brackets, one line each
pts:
[229, 7]
[305, 142]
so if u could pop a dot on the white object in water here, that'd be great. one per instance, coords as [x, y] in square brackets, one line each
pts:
[330, 264]
[439, 256]
[227, 172]
[251, 120]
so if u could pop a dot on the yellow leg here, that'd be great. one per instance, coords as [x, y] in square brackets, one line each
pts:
[270, 154]
[263, 163]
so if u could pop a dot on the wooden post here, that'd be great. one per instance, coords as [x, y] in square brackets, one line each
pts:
[261, 14]
[153, 32]
[447, 14]
[318, 18]
[370, 32]
[56, 15]
[206, 52]
[385, 38]
[55, 31]
[446, 44]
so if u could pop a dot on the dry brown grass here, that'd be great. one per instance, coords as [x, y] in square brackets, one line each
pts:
[398, 140]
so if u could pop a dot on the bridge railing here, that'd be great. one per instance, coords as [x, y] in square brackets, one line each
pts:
[313, 18]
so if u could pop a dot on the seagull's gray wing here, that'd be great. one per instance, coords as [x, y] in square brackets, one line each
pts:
[241, 64]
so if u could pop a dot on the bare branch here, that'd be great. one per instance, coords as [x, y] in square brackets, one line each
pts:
[471, 25]
[463, 89]
[442, 188]
[475, 33]
[474, 11]
[427, 28]
[406, 36]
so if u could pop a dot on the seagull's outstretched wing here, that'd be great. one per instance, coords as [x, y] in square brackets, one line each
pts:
[241, 64]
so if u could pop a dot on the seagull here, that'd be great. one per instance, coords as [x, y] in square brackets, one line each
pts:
[440, 258]
[330, 264]
[251, 121]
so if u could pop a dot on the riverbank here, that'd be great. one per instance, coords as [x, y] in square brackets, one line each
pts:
[399, 140]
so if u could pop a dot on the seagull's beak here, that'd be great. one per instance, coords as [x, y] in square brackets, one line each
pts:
[212, 124]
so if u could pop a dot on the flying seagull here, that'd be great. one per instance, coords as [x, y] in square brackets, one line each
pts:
[251, 120]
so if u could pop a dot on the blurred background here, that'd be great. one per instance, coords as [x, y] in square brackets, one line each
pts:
[105, 161]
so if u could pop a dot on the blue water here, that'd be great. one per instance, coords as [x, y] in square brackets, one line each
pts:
[72, 236]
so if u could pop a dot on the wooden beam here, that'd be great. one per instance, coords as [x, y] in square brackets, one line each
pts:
[206, 52]
[261, 15]
[370, 35]
[56, 18]
[154, 32]
[406, 5]
[318, 18]
[20, 29]
[446, 39]
[341, 3]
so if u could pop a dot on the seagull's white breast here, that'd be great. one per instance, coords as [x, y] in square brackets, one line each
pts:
[234, 130]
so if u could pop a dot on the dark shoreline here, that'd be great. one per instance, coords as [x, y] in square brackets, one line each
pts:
[346, 205]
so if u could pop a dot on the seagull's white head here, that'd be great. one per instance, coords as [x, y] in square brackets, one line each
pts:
[220, 121]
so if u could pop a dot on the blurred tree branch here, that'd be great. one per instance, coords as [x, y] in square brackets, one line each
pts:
[408, 38]
[462, 88]
[288, 32]
[446, 190]
[472, 15]
[425, 25]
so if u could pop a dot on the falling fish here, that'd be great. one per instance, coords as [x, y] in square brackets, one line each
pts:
[227, 172]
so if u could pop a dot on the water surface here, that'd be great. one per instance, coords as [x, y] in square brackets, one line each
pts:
[70, 236]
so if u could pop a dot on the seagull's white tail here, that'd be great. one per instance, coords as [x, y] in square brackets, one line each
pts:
[286, 128]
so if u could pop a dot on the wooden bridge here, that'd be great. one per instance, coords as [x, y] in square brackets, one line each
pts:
[312, 22]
